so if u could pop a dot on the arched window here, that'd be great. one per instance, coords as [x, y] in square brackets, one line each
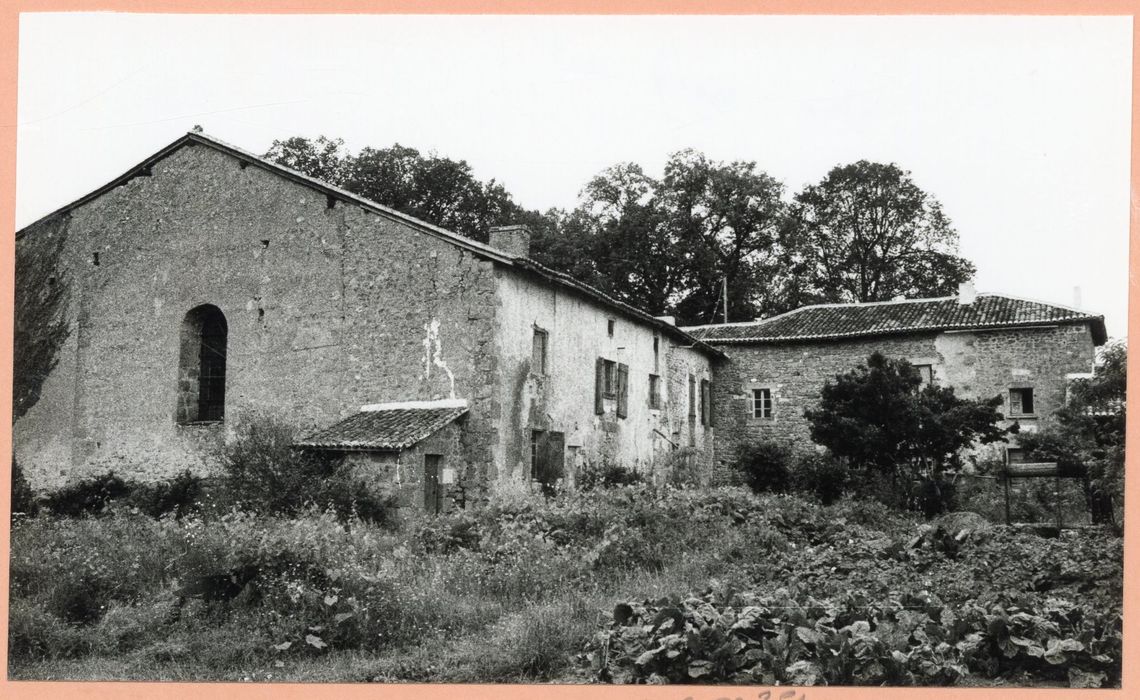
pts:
[202, 365]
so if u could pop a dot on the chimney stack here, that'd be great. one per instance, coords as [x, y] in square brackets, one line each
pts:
[513, 240]
[966, 293]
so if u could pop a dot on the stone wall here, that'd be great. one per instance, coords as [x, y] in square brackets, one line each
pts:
[328, 308]
[978, 364]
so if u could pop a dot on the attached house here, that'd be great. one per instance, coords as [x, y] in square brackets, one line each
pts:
[983, 345]
[207, 285]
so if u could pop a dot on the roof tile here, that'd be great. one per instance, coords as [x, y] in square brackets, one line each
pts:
[383, 429]
[833, 321]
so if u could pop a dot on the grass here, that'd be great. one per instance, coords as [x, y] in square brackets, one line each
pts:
[512, 593]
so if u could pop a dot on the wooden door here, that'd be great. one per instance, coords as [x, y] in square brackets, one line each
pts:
[433, 494]
[549, 459]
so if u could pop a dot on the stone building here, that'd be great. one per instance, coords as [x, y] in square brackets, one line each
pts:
[207, 285]
[983, 345]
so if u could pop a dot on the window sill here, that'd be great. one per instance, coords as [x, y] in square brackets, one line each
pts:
[199, 423]
[1023, 416]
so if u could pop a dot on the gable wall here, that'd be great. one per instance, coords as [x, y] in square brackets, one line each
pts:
[338, 291]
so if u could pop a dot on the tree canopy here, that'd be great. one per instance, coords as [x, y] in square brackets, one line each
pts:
[679, 243]
[867, 232]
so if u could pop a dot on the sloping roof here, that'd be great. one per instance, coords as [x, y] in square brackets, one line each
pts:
[386, 427]
[521, 264]
[834, 321]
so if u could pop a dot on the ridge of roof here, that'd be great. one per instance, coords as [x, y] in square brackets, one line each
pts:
[502, 257]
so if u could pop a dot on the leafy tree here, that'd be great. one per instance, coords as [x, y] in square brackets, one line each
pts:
[880, 418]
[867, 232]
[438, 190]
[672, 244]
[1087, 438]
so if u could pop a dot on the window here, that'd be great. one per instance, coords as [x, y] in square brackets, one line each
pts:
[433, 493]
[610, 379]
[926, 372]
[202, 366]
[654, 391]
[656, 354]
[761, 403]
[1015, 455]
[1021, 402]
[706, 402]
[692, 398]
[538, 352]
[610, 327]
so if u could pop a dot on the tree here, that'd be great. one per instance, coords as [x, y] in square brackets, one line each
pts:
[438, 190]
[1087, 437]
[880, 418]
[866, 232]
[676, 244]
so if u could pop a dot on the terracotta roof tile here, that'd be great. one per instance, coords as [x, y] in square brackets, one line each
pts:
[395, 427]
[833, 321]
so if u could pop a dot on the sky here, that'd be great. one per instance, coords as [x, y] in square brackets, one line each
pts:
[1019, 126]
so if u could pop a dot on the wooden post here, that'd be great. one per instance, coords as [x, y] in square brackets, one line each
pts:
[1006, 480]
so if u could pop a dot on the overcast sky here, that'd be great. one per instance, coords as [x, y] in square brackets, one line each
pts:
[1019, 126]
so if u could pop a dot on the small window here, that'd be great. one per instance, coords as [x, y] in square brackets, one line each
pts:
[692, 397]
[926, 372]
[610, 379]
[95, 261]
[706, 402]
[538, 352]
[610, 327]
[1021, 402]
[761, 403]
[656, 354]
[654, 391]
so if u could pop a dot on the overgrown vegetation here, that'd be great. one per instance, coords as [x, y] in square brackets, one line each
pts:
[519, 591]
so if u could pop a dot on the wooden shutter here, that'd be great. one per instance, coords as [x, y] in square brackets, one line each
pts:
[622, 390]
[705, 405]
[599, 386]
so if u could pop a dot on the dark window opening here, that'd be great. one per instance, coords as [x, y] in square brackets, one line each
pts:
[202, 366]
[1021, 402]
[654, 391]
[610, 327]
[656, 355]
[433, 492]
[926, 373]
[95, 259]
[761, 403]
[330, 201]
[260, 313]
[538, 352]
[264, 242]
[611, 387]
[706, 402]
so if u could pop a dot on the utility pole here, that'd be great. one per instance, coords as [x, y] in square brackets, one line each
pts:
[724, 295]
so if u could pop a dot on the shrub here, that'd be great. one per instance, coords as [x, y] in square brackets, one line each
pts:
[607, 474]
[23, 497]
[351, 497]
[765, 467]
[88, 496]
[264, 473]
[179, 495]
[824, 476]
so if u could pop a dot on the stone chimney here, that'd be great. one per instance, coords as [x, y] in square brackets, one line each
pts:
[966, 293]
[513, 240]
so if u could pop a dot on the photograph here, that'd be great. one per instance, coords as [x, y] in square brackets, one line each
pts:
[756, 350]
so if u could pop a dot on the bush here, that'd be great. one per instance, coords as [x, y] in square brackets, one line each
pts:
[351, 497]
[179, 496]
[606, 475]
[23, 497]
[88, 496]
[264, 473]
[823, 476]
[765, 467]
